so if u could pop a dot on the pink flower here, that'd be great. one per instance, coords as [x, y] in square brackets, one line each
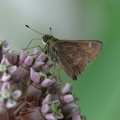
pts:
[34, 76]
[50, 109]
[42, 57]
[66, 88]
[28, 61]
[70, 106]
[45, 69]
[12, 69]
[7, 97]
[5, 45]
[45, 97]
[49, 63]
[5, 77]
[68, 98]
[35, 51]
[22, 56]
[37, 64]
[67, 94]
[6, 70]
[48, 81]
[12, 57]
[5, 62]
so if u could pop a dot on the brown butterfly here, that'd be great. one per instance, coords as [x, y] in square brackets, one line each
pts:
[72, 55]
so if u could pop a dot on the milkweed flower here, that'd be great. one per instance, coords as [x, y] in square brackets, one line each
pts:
[4, 45]
[29, 91]
[7, 97]
[6, 70]
[8, 100]
[50, 109]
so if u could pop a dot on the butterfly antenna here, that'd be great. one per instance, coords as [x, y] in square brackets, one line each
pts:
[34, 30]
[50, 30]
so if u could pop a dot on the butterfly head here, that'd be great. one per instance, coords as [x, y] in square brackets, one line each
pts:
[46, 38]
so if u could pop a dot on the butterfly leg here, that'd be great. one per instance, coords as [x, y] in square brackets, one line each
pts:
[58, 70]
[37, 46]
[59, 73]
[54, 67]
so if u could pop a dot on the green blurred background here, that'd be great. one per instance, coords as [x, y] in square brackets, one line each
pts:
[99, 87]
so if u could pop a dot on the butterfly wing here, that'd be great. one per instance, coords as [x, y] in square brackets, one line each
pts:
[74, 55]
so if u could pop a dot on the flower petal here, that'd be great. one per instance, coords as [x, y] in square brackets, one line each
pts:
[68, 98]
[66, 88]
[47, 99]
[35, 50]
[32, 72]
[49, 63]
[37, 64]
[5, 45]
[42, 57]
[45, 69]
[50, 117]
[22, 56]
[59, 116]
[12, 69]
[29, 60]
[5, 49]
[11, 103]
[5, 77]
[4, 61]
[5, 41]
[35, 76]
[13, 57]
[47, 82]
[70, 106]
[56, 102]
[16, 94]
[45, 108]
[5, 86]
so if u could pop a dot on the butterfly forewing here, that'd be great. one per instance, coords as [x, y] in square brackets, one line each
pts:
[74, 55]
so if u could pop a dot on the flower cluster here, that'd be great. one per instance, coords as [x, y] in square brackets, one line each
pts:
[28, 90]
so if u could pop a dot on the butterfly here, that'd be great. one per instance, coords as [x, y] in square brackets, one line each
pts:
[73, 56]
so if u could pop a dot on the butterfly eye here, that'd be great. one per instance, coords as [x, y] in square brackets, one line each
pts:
[45, 39]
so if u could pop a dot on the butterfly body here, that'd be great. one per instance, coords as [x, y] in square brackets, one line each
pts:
[72, 55]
